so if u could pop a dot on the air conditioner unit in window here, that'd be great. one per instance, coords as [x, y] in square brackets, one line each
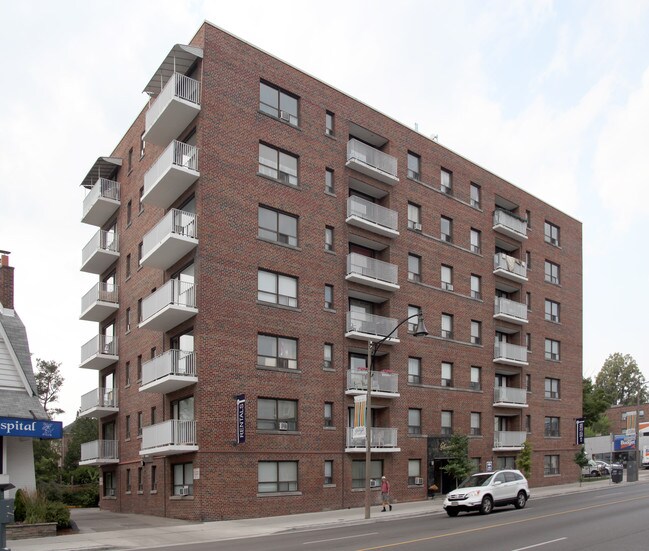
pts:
[110, 492]
[375, 483]
[283, 426]
[282, 238]
[329, 131]
[419, 480]
[416, 226]
[283, 363]
[284, 177]
[183, 491]
[285, 116]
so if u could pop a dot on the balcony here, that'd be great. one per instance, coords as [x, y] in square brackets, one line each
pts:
[168, 372]
[169, 438]
[171, 239]
[509, 224]
[509, 310]
[101, 202]
[368, 327]
[99, 352]
[370, 216]
[171, 175]
[176, 106]
[372, 272]
[509, 397]
[509, 267]
[99, 403]
[100, 252]
[382, 440]
[384, 384]
[370, 161]
[99, 452]
[505, 441]
[169, 306]
[100, 302]
[509, 354]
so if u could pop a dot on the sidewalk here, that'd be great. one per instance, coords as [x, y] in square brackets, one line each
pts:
[103, 530]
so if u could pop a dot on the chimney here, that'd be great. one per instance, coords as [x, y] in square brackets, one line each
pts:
[6, 282]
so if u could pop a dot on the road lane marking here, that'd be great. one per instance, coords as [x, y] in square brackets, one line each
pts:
[500, 525]
[539, 544]
[341, 538]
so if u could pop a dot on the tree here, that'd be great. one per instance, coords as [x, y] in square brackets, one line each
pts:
[524, 459]
[581, 460]
[81, 431]
[595, 404]
[621, 380]
[48, 383]
[46, 461]
[459, 465]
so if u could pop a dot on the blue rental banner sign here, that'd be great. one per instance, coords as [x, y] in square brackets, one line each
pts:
[623, 442]
[10, 426]
[580, 431]
[241, 419]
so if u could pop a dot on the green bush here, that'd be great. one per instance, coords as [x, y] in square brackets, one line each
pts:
[59, 513]
[50, 490]
[20, 510]
[39, 509]
[82, 496]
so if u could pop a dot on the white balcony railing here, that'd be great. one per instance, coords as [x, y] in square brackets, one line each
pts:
[100, 252]
[363, 213]
[102, 201]
[510, 395]
[100, 292]
[172, 293]
[99, 451]
[160, 248]
[511, 224]
[100, 345]
[509, 439]
[506, 308]
[374, 327]
[510, 264]
[172, 362]
[379, 438]
[373, 272]
[99, 398]
[172, 173]
[169, 433]
[371, 161]
[381, 381]
[510, 352]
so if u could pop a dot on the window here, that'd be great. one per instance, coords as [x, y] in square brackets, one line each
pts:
[329, 238]
[328, 356]
[528, 424]
[414, 370]
[528, 260]
[551, 272]
[128, 320]
[476, 239]
[446, 278]
[140, 249]
[414, 217]
[183, 479]
[329, 181]
[528, 301]
[277, 164]
[551, 233]
[528, 218]
[278, 103]
[414, 168]
[139, 310]
[476, 429]
[140, 482]
[277, 226]
[139, 423]
[476, 378]
[127, 427]
[447, 374]
[127, 373]
[109, 484]
[329, 297]
[414, 267]
[412, 322]
[476, 287]
[129, 211]
[276, 352]
[153, 415]
[276, 288]
[552, 350]
[550, 465]
[130, 160]
[552, 427]
[414, 421]
[446, 229]
[551, 310]
[276, 476]
[414, 472]
[128, 481]
[276, 414]
[154, 479]
[128, 265]
[328, 471]
[447, 326]
[476, 332]
[505, 462]
[328, 414]
[358, 472]
[446, 182]
[329, 123]
[475, 195]
[552, 388]
[528, 382]
[142, 145]
[140, 204]
[446, 423]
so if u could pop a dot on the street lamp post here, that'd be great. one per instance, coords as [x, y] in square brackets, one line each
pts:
[372, 349]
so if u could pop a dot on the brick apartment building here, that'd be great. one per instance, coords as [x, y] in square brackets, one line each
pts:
[256, 228]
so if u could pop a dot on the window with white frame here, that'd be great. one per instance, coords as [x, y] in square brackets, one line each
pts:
[414, 267]
[328, 356]
[551, 310]
[414, 166]
[476, 332]
[552, 427]
[447, 374]
[551, 233]
[328, 471]
[474, 195]
[276, 288]
[446, 423]
[277, 476]
[278, 103]
[446, 181]
[446, 276]
[447, 326]
[552, 272]
[476, 422]
[183, 479]
[278, 164]
[328, 414]
[476, 378]
[329, 181]
[552, 350]
[414, 217]
[551, 465]
[414, 370]
[446, 229]
[414, 472]
[275, 414]
[329, 238]
[476, 287]
[277, 226]
[414, 421]
[278, 352]
[552, 388]
[476, 241]
[329, 297]
[329, 123]
[358, 472]
[412, 321]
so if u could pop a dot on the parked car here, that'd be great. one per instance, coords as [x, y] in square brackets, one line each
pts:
[606, 468]
[592, 469]
[484, 491]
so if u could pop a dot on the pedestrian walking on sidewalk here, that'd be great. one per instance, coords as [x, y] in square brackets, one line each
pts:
[385, 494]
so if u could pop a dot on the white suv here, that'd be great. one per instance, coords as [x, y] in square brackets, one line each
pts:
[484, 491]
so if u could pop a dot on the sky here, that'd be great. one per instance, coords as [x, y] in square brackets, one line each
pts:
[552, 96]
